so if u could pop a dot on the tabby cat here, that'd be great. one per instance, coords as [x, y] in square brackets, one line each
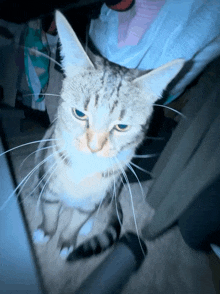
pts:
[102, 119]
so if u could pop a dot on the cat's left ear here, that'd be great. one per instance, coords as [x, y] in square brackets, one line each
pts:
[73, 55]
[157, 80]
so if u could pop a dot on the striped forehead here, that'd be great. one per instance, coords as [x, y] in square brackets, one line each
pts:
[103, 114]
[99, 117]
[105, 96]
[105, 88]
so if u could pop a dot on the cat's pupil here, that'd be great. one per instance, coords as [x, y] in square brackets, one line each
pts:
[79, 113]
[122, 127]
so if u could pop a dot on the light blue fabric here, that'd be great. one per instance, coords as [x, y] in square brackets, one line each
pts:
[182, 29]
[36, 65]
[216, 249]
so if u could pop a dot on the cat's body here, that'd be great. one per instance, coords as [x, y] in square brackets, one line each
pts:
[102, 119]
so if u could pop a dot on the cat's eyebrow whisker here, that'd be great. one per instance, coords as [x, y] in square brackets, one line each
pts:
[132, 170]
[170, 108]
[147, 155]
[132, 204]
[33, 153]
[23, 182]
[40, 53]
[29, 143]
[143, 170]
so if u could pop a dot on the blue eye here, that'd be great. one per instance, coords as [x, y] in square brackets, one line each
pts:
[79, 114]
[121, 127]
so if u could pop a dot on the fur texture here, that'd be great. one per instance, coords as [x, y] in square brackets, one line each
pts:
[102, 119]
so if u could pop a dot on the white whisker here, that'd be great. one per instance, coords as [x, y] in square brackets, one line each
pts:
[123, 182]
[41, 179]
[114, 194]
[24, 181]
[47, 181]
[43, 94]
[41, 193]
[100, 204]
[131, 169]
[40, 53]
[54, 119]
[51, 168]
[132, 204]
[112, 163]
[33, 153]
[116, 206]
[146, 155]
[170, 108]
[143, 170]
[29, 143]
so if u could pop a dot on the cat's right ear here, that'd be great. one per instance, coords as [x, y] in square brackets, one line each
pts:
[73, 55]
[157, 80]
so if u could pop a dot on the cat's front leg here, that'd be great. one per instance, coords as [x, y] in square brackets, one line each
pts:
[48, 227]
[68, 237]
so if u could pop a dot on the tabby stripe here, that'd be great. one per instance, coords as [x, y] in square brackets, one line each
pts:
[86, 103]
[97, 245]
[113, 106]
[42, 186]
[41, 172]
[104, 241]
[122, 113]
[100, 242]
[110, 238]
[96, 99]
[118, 88]
[63, 156]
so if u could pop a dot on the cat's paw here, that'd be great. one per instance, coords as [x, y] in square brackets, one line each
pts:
[65, 252]
[39, 237]
[86, 228]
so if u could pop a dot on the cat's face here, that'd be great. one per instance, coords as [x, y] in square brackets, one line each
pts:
[105, 107]
[103, 111]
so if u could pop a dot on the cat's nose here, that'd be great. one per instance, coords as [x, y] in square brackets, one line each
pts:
[96, 141]
[95, 150]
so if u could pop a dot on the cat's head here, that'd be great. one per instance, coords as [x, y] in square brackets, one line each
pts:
[105, 107]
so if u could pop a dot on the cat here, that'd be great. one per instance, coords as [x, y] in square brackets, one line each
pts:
[102, 118]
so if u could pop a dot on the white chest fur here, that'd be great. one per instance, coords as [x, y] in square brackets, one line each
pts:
[82, 183]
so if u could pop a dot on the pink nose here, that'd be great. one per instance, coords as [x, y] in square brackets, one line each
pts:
[95, 150]
[96, 142]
